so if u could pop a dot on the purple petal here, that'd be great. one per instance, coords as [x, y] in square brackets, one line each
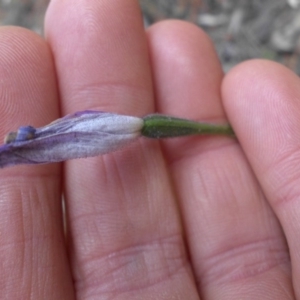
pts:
[82, 134]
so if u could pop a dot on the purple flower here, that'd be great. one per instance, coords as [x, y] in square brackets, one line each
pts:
[91, 133]
[82, 134]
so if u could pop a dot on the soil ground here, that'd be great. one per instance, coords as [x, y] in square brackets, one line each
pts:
[240, 29]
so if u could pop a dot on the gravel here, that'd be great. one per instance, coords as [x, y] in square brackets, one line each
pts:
[240, 29]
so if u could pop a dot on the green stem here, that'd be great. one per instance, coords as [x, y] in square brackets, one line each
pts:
[162, 126]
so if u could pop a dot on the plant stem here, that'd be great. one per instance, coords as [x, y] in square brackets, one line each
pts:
[162, 126]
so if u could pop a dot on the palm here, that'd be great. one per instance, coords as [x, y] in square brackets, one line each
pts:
[184, 219]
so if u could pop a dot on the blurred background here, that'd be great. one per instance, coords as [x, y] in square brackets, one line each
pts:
[240, 29]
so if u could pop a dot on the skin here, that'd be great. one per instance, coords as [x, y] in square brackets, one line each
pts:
[188, 218]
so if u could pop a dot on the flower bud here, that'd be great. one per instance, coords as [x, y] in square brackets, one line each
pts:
[82, 134]
[91, 133]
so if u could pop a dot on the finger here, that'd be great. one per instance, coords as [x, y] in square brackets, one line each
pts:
[32, 254]
[235, 242]
[126, 236]
[101, 62]
[266, 119]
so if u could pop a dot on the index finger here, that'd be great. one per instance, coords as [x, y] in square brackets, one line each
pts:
[126, 233]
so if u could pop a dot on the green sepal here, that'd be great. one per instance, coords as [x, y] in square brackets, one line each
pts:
[163, 126]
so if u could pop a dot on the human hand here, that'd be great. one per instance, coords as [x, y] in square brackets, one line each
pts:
[188, 218]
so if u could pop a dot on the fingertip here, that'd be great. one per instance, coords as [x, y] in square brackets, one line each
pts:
[101, 55]
[260, 94]
[186, 70]
[27, 79]
[23, 47]
[258, 77]
[28, 91]
[261, 99]
[172, 30]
